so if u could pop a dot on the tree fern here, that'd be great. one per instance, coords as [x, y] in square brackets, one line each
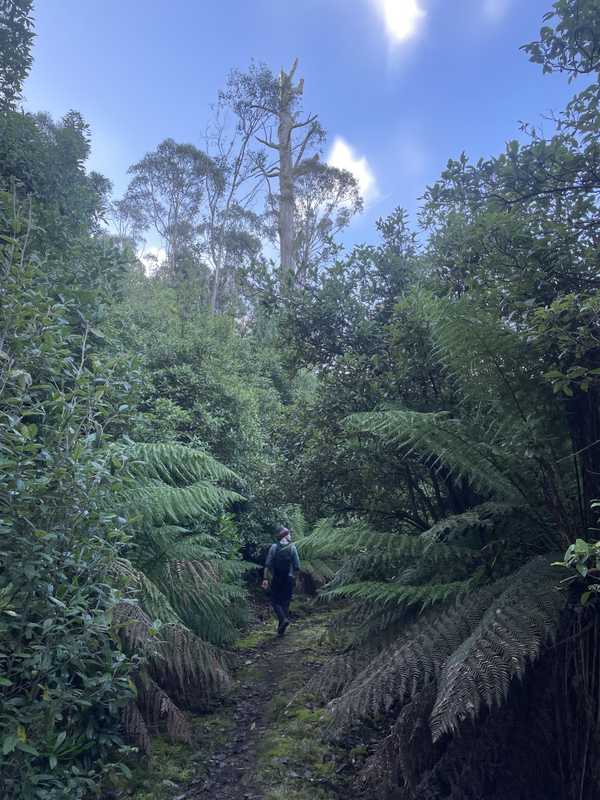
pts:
[172, 505]
[386, 575]
[490, 365]
[188, 595]
[497, 437]
[493, 632]
[444, 441]
[414, 659]
[175, 464]
[509, 637]
[147, 593]
[441, 624]
[386, 594]
[174, 655]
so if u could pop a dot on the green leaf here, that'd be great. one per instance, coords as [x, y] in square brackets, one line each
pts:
[27, 748]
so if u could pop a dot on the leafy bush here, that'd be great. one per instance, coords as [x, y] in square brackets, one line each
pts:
[63, 678]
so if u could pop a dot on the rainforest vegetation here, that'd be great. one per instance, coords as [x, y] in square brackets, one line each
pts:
[423, 412]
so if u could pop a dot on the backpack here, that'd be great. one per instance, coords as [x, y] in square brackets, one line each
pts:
[282, 560]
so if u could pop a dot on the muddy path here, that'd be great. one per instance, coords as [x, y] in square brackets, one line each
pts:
[268, 742]
[269, 739]
[262, 684]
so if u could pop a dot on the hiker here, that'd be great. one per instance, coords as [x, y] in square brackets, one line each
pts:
[283, 562]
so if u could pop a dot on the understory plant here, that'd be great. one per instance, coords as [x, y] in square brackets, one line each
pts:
[64, 680]
[187, 598]
[448, 630]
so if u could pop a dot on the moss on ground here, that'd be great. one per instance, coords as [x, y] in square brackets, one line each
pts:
[173, 764]
[256, 637]
[293, 758]
[296, 760]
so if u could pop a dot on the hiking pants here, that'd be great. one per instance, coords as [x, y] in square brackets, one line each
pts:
[282, 590]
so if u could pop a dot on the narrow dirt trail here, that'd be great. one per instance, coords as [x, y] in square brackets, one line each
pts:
[270, 744]
[233, 770]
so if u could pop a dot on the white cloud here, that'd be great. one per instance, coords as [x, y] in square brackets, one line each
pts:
[402, 18]
[152, 258]
[495, 10]
[343, 156]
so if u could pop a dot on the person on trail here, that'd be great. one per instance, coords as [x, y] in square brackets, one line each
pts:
[283, 563]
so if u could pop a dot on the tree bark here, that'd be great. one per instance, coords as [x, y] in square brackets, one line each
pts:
[286, 221]
[286, 198]
[214, 295]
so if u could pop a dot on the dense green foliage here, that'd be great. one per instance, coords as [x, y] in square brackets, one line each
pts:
[466, 417]
[424, 413]
[16, 35]
[183, 574]
[63, 680]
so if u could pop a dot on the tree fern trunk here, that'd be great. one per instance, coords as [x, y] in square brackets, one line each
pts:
[583, 417]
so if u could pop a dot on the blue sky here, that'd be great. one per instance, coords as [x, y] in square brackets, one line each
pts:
[400, 85]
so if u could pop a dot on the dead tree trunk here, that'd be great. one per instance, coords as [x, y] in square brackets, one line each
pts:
[286, 222]
[290, 159]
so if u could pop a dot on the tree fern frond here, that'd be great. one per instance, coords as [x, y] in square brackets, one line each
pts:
[510, 635]
[187, 547]
[397, 593]
[443, 441]
[321, 569]
[416, 658]
[330, 540]
[161, 712]
[339, 671]
[182, 661]
[381, 624]
[163, 504]
[472, 651]
[486, 359]
[393, 559]
[151, 597]
[457, 525]
[376, 548]
[136, 728]
[132, 625]
[176, 464]
[176, 655]
[187, 591]
[203, 598]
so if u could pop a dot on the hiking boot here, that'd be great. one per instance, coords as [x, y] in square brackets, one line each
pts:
[282, 627]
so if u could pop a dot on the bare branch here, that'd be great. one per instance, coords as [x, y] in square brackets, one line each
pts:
[310, 121]
[303, 145]
[292, 72]
[267, 144]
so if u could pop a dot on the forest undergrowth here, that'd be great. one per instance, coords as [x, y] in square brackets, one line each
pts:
[269, 740]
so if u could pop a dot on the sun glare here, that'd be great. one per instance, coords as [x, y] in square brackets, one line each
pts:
[401, 18]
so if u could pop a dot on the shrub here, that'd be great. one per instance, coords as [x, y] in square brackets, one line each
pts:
[63, 677]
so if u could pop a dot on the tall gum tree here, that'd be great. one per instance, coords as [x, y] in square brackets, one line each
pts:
[167, 192]
[231, 228]
[314, 201]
